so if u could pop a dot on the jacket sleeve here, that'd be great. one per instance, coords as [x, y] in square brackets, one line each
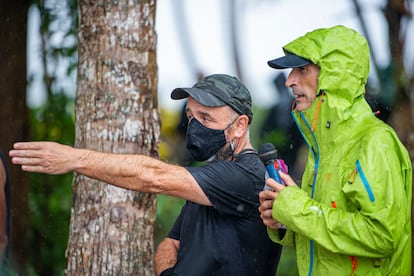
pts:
[381, 200]
[286, 240]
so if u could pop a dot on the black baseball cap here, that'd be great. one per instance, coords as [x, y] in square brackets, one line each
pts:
[219, 90]
[288, 61]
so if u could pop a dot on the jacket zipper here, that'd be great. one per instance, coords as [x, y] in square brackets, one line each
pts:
[316, 157]
[365, 181]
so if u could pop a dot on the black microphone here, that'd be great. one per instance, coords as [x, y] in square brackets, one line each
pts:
[268, 155]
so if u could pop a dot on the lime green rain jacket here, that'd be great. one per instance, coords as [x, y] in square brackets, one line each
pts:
[353, 213]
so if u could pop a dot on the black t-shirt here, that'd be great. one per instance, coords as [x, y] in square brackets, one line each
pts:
[228, 238]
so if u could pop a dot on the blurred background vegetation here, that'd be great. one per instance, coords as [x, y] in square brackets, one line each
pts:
[49, 204]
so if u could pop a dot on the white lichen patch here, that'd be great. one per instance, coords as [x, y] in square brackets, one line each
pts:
[131, 130]
[115, 194]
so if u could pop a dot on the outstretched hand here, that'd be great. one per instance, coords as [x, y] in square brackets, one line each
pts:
[44, 157]
[267, 198]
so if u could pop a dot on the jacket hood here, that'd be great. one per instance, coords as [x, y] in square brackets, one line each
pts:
[343, 58]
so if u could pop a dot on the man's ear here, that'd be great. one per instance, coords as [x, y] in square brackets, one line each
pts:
[242, 125]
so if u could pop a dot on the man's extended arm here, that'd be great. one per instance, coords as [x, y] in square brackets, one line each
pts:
[166, 255]
[135, 172]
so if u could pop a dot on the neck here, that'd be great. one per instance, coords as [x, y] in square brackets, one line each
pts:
[242, 145]
[228, 151]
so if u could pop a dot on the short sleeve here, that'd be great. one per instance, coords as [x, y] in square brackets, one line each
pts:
[232, 187]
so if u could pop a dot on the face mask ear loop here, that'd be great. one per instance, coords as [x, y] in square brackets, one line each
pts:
[232, 143]
[232, 149]
[232, 146]
[229, 126]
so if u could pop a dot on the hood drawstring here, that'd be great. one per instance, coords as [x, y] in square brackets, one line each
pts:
[317, 110]
[294, 105]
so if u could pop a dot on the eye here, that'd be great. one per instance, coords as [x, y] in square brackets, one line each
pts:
[206, 119]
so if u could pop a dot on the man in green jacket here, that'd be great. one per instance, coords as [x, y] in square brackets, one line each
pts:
[352, 214]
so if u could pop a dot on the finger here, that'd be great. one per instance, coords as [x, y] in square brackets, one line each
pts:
[266, 215]
[287, 179]
[270, 182]
[34, 169]
[27, 145]
[25, 153]
[264, 194]
[269, 221]
[267, 195]
[266, 205]
[262, 197]
[276, 186]
[28, 161]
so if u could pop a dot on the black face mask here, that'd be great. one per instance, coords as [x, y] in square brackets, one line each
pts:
[203, 142]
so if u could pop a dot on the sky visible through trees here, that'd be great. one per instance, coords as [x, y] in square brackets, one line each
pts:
[263, 27]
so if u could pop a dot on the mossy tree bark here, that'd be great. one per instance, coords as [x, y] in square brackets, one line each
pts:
[111, 230]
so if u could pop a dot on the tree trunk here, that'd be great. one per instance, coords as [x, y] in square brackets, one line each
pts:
[111, 231]
[14, 119]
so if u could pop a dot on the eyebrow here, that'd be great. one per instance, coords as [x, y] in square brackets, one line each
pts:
[205, 114]
[200, 114]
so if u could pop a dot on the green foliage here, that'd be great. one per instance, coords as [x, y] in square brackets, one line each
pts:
[50, 197]
[168, 209]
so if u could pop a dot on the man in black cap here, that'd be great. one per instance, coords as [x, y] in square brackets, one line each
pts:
[219, 231]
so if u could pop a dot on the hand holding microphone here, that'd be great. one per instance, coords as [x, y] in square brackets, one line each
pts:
[268, 155]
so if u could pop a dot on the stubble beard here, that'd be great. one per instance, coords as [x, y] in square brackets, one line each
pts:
[225, 153]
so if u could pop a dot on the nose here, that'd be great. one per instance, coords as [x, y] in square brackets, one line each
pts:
[291, 80]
